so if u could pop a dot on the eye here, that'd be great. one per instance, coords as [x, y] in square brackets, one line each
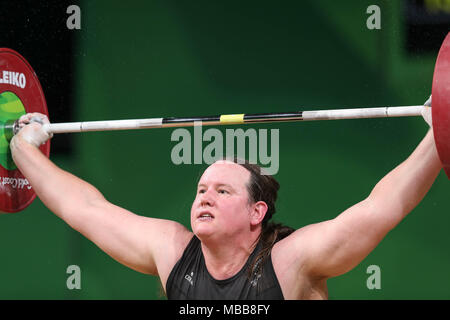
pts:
[223, 191]
[201, 190]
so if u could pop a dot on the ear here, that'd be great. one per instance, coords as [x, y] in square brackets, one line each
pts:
[258, 213]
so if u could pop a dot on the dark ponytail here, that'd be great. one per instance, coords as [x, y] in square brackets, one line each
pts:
[265, 188]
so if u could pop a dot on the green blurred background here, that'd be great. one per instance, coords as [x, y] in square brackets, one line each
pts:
[194, 58]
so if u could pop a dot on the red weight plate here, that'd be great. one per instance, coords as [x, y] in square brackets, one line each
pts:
[441, 104]
[17, 77]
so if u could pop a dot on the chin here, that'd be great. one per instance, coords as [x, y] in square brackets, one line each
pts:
[204, 232]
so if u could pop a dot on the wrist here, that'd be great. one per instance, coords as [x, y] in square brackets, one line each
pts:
[18, 143]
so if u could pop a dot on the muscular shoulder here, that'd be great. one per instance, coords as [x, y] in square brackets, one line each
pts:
[287, 248]
[284, 253]
[289, 259]
[175, 238]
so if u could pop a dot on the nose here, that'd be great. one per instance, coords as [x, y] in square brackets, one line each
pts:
[206, 198]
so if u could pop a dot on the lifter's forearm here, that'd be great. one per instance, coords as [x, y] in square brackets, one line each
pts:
[59, 190]
[405, 186]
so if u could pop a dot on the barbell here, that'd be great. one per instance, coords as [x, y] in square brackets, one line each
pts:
[21, 92]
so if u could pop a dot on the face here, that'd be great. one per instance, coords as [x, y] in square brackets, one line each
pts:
[221, 206]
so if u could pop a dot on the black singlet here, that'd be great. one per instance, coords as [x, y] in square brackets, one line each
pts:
[190, 279]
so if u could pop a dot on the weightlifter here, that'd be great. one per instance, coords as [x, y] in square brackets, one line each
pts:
[234, 251]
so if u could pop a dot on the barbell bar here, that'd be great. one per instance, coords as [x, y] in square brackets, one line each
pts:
[21, 93]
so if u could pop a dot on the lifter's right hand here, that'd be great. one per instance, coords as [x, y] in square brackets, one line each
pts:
[31, 129]
[426, 112]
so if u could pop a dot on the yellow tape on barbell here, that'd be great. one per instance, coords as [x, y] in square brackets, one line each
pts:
[232, 118]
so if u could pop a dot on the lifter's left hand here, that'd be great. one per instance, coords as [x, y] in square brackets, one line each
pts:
[31, 128]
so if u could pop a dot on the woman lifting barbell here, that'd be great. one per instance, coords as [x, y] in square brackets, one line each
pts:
[234, 251]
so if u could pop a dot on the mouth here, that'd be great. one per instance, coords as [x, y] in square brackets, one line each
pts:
[205, 216]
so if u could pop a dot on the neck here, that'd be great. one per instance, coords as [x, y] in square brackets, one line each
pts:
[224, 259]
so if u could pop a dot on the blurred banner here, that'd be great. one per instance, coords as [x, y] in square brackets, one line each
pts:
[427, 23]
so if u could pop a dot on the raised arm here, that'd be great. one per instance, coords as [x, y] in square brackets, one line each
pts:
[145, 244]
[334, 247]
